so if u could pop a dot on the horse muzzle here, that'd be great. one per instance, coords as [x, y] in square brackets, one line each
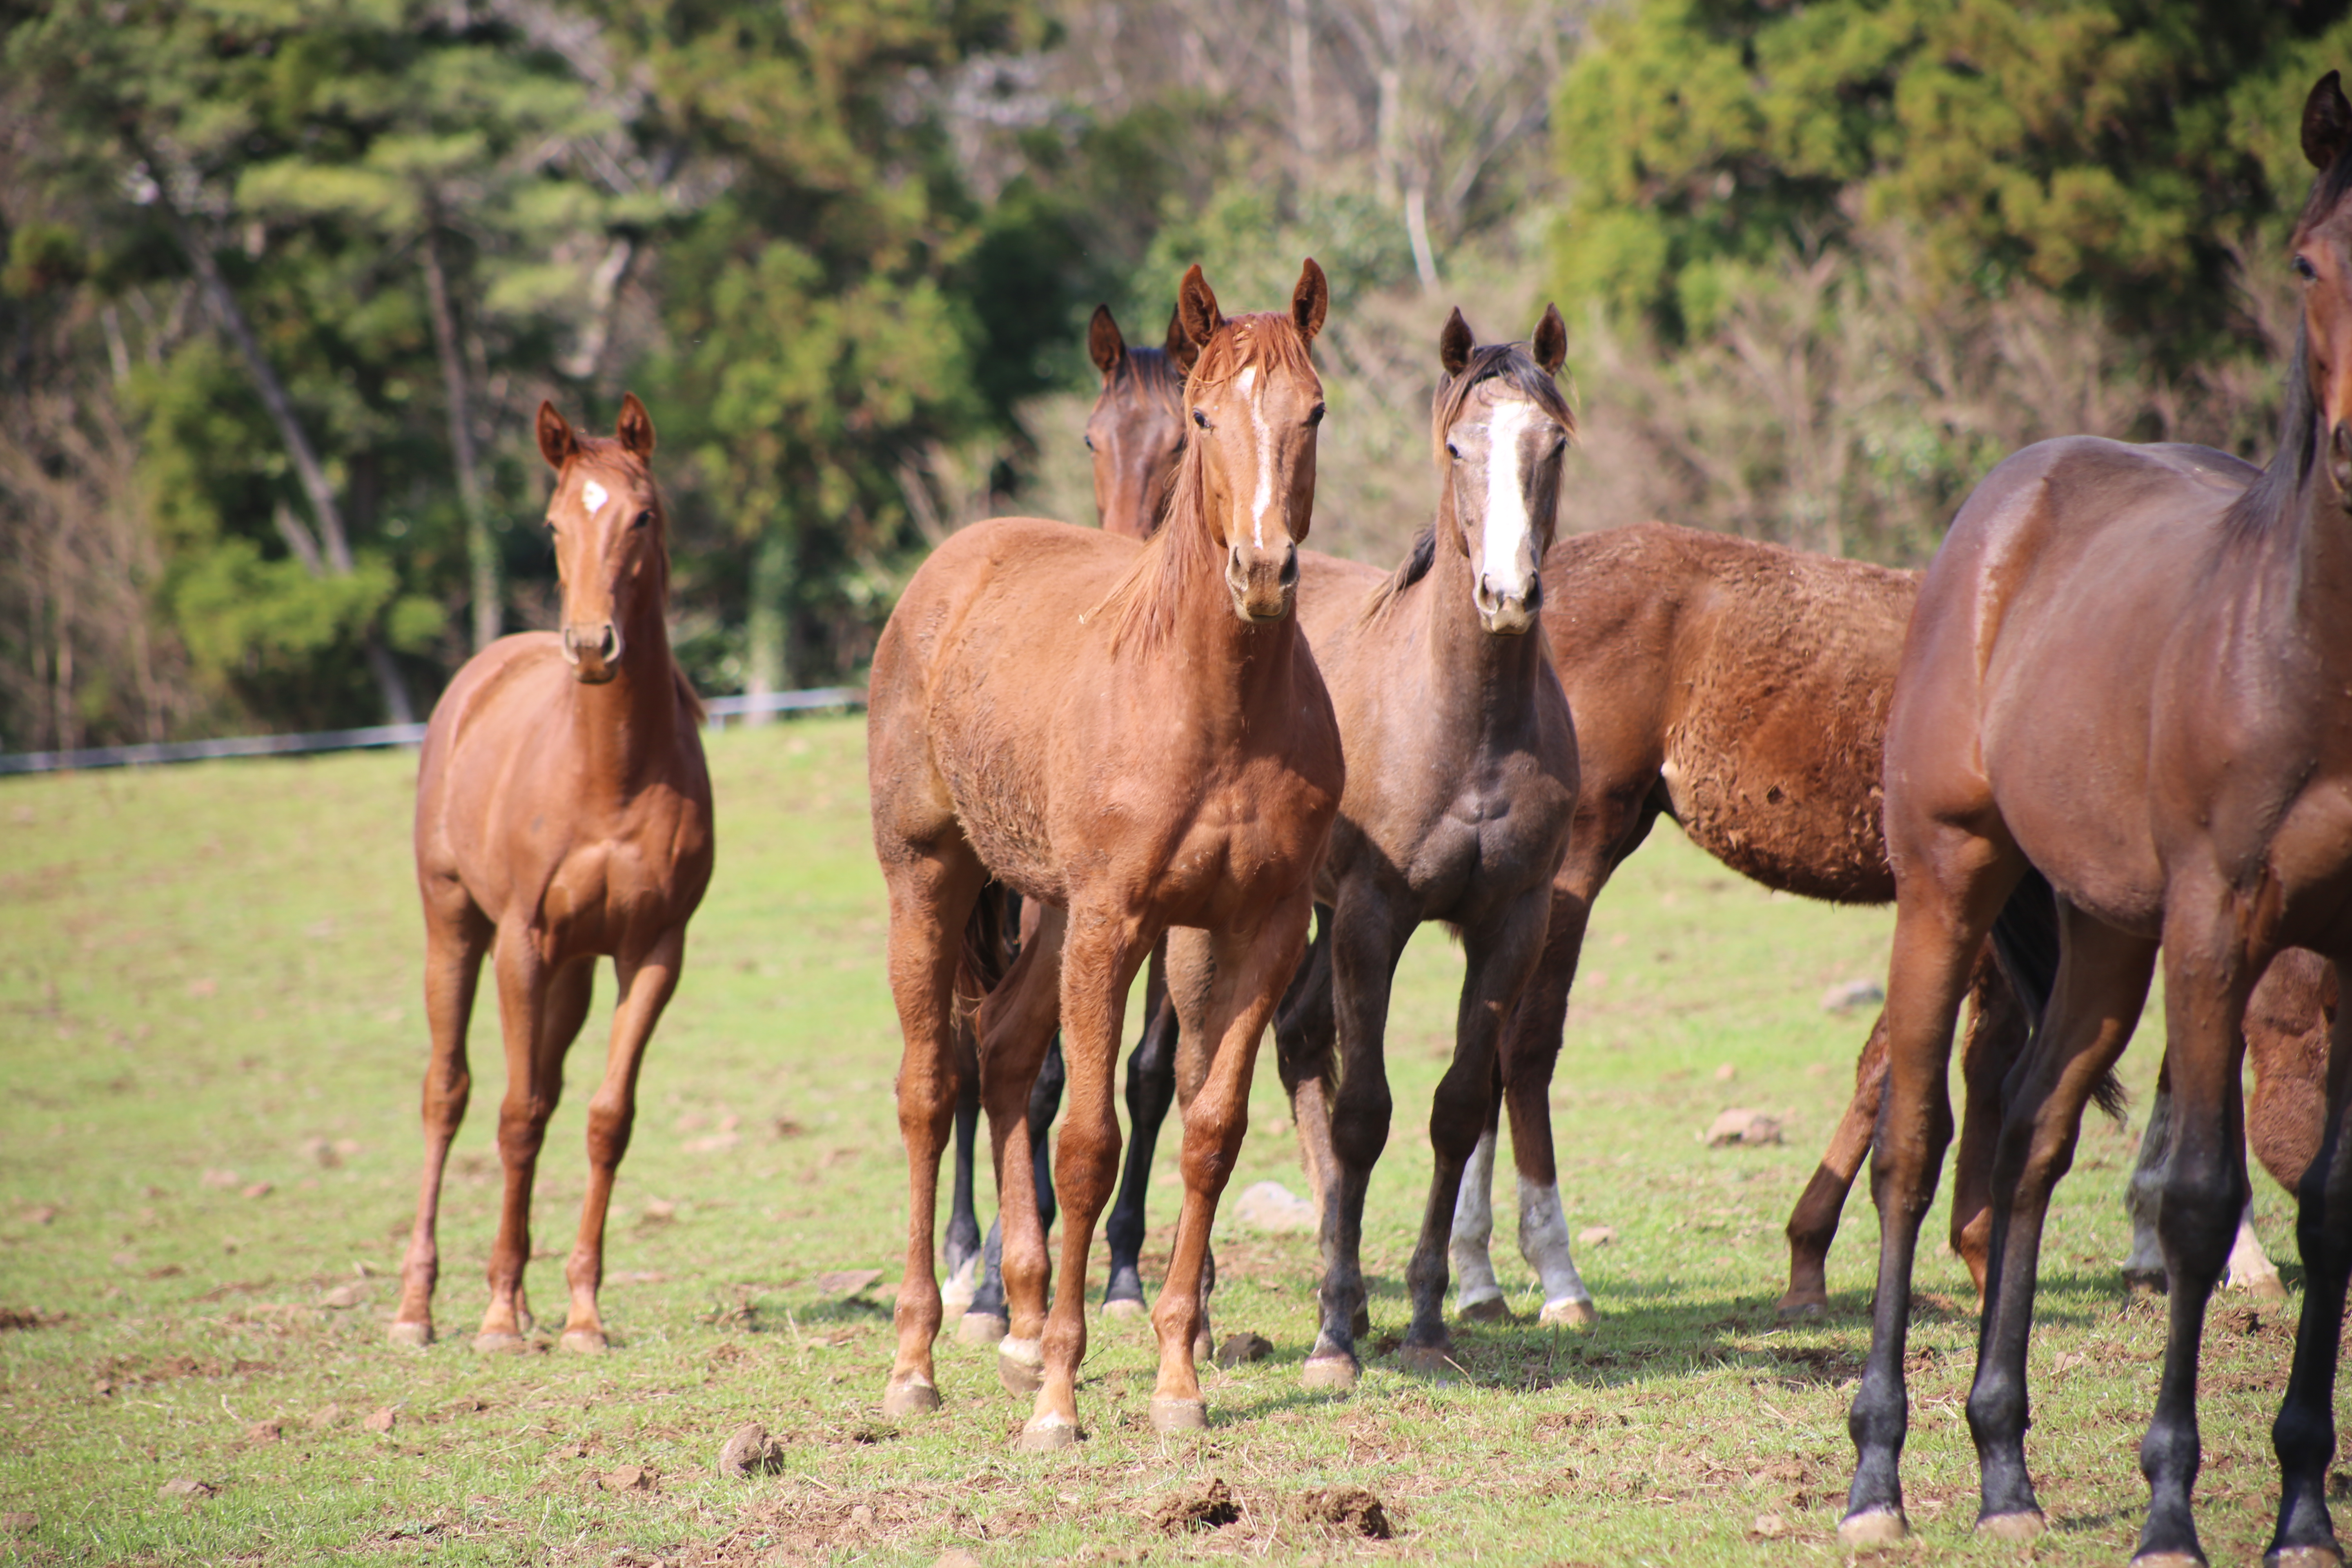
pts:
[1508, 612]
[593, 651]
[1264, 582]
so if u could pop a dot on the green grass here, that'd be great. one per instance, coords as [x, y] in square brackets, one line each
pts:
[205, 971]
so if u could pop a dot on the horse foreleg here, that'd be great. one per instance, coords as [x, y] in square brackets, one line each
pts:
[2304, 1431]
[1101, 953]
[1306, 1047]
[647, 984]
[1251, 969]
[986, 1319]
[456, 939]
[530, 997]
[1498, 960]
[1530, 1053]
[1016, 1029]
[1150, 1091]
[2101, 982]
[1369, 928]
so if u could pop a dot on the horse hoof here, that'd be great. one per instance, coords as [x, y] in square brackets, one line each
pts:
[981, 1329]
[2146, 1281]
[1872, 1527]
[2266, 1288]
[2177, 1560]
[1575, 1314]
[1205, 1348]
[500, 1343]
[2304, 1557]
[1329, 1374]
[1170, 1417]
[1797, 1309]
[582, 1342]
[1123, 1307]
[913, 1397]
[1047, 1435]
[1427, 1361]
[960, 1287]
[1486, 1309]
[2012, 1526]
[413, 1336]
[1021, 1366]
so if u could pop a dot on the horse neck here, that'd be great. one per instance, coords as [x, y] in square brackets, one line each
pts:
[1466, 660]
[627, 727]
[1232, 664]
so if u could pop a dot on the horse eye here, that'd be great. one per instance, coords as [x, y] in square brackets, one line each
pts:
[1091, 442]
[2306, 270]
[644, 520]
[1454, 451]
[1200, 419]
[1316, 415]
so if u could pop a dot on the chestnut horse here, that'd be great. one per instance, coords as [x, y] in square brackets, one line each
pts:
[563, 815]
[2127, 677]
[1136, 436]
[1461, 785]
[1134, 736]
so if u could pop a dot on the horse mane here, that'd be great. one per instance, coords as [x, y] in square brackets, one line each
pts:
[2272, 498]
[1146, 598]
[1152, 372]
[1508, 362]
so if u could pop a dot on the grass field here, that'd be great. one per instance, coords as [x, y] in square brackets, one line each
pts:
[211, 1035]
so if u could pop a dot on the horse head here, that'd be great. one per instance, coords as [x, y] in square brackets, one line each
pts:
[609, 534]
[1502, 429]
[2323, 260]
[1136, 431]
[1255, 401]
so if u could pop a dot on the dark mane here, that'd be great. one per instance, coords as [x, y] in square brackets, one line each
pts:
[2275, 497]
[1151, 373]
[1508, 362]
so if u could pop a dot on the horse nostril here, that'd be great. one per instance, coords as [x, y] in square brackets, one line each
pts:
[609, 645]
[1289, 575]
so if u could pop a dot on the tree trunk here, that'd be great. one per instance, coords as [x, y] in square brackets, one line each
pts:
[481, 556]
[764, 626]
[1302, 91]
[333, 547]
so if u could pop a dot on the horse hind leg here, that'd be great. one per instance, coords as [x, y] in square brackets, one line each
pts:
[456, 940]
[986, 1319]
[1813, 1224]
[2305, 1433]
[1150, 1092]
[963, 1245]
[647, 984]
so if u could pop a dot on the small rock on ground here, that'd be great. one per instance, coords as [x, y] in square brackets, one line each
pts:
[264, 1432]
[1848, 994]
[1770, 1526]
[956, 1557]
[19, 1522]
[1742, 1126]
[344, 1296]
[1239, 1350]
[1271, 1207]
[1208, 1506]
[382, 1420]
[1596, 1235]
[751, 1452]
[181, 1486]
[627, 1479]
[847, 1281]
[324, 1417]
[1350, 1509]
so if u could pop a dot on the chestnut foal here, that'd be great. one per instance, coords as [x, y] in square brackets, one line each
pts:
[1134, 736]
[563, 815]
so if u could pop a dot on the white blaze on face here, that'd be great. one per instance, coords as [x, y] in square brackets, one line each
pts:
[1508, 523]
[1262, 500]
[594, 496]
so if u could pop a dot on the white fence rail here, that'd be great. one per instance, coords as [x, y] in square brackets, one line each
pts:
[721, 709]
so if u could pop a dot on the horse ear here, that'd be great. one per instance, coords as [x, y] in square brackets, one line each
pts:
[1551, 341]
[635, 426]
[1178, 348]
[556, 441]
[1196, 309]
[1105, 346]
[1310, 300]
[1454, 342]
[2327, 123]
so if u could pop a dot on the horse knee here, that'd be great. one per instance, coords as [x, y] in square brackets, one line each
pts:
[609, 1125]
[523, 1128]
[2199, 1218]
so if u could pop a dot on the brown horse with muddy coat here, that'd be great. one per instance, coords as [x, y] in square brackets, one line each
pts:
[2129, 677]
[563, 815]
[1135, 736]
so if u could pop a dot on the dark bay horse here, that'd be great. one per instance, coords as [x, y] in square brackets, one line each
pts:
[1134, 736]
[2128, 680]
[1461, 784]
[563, 815]
[1136, 435]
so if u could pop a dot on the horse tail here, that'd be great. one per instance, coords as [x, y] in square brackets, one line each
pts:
[2026, 941]
[990, 935]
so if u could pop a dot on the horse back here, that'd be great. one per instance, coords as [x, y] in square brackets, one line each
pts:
[1748, 680]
